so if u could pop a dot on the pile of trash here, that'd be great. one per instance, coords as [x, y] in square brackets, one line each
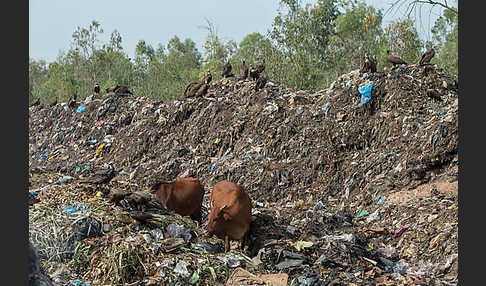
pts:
[357, 182]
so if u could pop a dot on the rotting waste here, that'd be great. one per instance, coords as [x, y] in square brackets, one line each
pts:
[361, 195]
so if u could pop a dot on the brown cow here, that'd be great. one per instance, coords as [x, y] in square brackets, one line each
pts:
[183, 196]
[230, 213]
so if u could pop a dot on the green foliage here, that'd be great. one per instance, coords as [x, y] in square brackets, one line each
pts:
[445, 38]
[358, 31]
[307, 47]
[402, 39]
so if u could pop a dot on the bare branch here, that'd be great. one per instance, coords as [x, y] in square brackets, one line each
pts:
[437, 3]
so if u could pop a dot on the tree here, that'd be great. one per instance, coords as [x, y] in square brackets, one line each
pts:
[301, 36]
[445, 33]
[358, 31]
[402, 39]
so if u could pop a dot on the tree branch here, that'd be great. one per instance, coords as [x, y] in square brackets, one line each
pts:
[437, 3]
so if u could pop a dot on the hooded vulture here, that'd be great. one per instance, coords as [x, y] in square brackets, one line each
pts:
[53, 102]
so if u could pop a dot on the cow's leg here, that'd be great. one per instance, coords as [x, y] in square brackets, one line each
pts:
[226, 243]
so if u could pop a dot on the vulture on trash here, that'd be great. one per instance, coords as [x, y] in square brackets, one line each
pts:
[253, 73]
[427, 56]
[260, 67]
[394, 60]
[96, 88]
[202, 90]
[244, 70]
[123, 90]
[366, 65]
[373, 64]
[35, 102]
[72, 100]
[101, 176]
[191, 89]
[207, 79]
[226, 70]
[53, 102]
[260, 83]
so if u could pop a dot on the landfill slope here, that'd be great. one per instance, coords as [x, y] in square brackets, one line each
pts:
[395, 157]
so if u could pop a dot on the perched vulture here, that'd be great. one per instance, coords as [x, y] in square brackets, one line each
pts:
[101, 176]
[394, 60]
[253, 73]
[72, 100]
[202, 90]
[113, 88]
[366, 65]
[123, 90]
[226, 70]
[260, 83]
[35, 102]
[53, 102]
[427, 56]
[192, 88]
[373, 64]
[207, 79]
[260, 67]
[244, 70]
[96, 89]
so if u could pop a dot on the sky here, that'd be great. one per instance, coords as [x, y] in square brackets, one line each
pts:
[52, 22]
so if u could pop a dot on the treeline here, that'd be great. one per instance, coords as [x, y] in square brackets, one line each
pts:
[307, 47]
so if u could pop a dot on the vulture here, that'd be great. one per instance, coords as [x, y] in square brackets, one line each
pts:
[113, 88]
[260, 67]
[366, 67]
[123, 90]
[226, 70]
[244, 70]
[53, 102]
[202, 90]
[96, 89]
[35, 102]
[260, 83]
[394, 60]
[72, 100]
[427, 56]
[373, 64]
[207, 79]
[101, 176]
[253, 73]
[192, 88]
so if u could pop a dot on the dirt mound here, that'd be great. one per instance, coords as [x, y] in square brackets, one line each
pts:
[289, 149]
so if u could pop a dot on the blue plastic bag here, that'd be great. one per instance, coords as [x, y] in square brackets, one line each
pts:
[81, 108]
[365, 91]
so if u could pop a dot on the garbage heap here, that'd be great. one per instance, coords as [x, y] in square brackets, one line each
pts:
[322, 168]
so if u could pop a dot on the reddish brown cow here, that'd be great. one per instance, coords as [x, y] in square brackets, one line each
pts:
[183, 196]
[230, 213]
